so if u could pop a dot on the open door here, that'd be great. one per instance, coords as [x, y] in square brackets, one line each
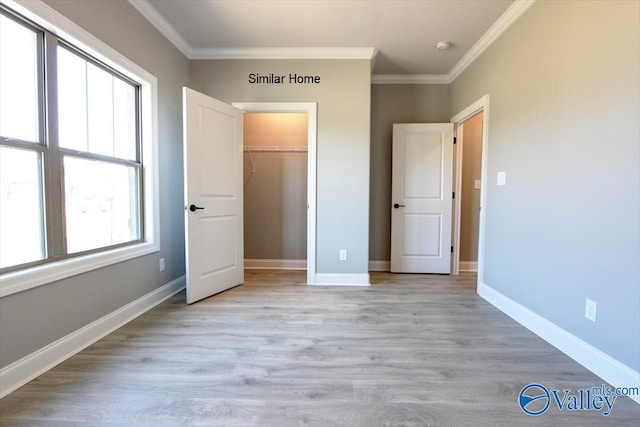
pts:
[421, 197]
[213, 195]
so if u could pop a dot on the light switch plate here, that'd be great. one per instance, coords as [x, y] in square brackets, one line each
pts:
[502, 178]
[476, 184]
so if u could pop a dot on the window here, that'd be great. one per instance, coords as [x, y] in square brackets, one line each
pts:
[21, 214]
[98, 140]
[76, 122]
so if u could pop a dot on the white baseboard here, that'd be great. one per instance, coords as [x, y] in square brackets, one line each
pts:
[346, 279]
[468, 265]
[31, 366]
[380, 265]
[606, 367]
[276, 264]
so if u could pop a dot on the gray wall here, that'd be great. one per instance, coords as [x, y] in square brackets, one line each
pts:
[32, 319]
[391, 104]
[343, 98]
[564, 123]
[275, 187]
[470, 203]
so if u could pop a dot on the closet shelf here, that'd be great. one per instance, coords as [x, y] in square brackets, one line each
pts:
[275, 149]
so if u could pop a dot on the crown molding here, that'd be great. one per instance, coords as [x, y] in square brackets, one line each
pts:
[368, 53]
[167, 30]
[416, 79]
[514, 11]
[162, 25]
[500, 26]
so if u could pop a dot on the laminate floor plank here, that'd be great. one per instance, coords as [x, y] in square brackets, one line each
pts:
[200, 386]
[410, 350]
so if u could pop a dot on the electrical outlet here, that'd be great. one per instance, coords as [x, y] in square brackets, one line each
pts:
[590, 310]
[343, 254]
[161, 264]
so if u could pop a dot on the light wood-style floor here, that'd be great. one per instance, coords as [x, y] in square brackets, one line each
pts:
[411, 350]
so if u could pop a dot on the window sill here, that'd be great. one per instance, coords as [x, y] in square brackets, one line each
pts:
[18, 281]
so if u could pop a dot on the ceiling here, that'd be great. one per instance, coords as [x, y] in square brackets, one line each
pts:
[400, 34]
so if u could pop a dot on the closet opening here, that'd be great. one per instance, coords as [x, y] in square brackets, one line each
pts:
[279, 186]
[275, 190]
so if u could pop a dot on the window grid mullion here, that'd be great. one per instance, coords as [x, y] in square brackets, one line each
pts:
[54, 177]
[98, 157]
[42, 97]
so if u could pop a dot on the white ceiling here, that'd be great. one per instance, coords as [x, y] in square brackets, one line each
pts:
[401, 34]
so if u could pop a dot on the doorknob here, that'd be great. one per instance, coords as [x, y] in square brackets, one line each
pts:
[396, 206]
[194, 208]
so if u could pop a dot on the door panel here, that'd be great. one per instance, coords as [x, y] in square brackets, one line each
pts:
[216, 257]
[421, 198]
[421, 225]
[423, 166]
[215, 181]
[213, 184]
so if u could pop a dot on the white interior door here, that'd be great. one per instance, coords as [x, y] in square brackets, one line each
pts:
[421, 198]
[213, 195]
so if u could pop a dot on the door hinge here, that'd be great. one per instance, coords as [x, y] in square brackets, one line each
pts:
[453, 195]
[455, 140]
[451, 249]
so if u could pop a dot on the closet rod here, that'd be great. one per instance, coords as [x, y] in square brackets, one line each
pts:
[283, 149]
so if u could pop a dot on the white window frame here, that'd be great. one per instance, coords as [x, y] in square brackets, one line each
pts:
[27, 278]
